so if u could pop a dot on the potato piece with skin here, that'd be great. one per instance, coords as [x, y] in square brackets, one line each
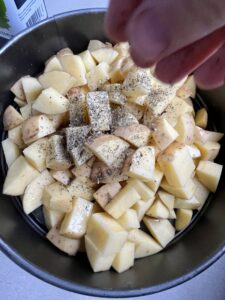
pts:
[129, 220]
[17, 89]
[106, 193]
[145, 245]
[83, 173]
[52, 64]
[26, 111]
[98, 261]
[60, 81]
[36, 154]
[191, 203]
[19, 102]
[143, 190]
[158, 210]
[59, 120]
[124, 260]
[107, 55]
[209, 174]
[164, 134]
[209, 150]
[115, 93]
[122, 118]
[156, 180]
[194, 151]
[57, 158]
[99, 111]
[52, 217]
[56, 197]
[107, 148]
[97, 76]
[185, 128]
[162, 230]
[88, 60]
[123, 200]
[201, 118]
[16, 135]
[64, 177]
[136, 110]
[201, 192]
[184, 192]
[141, 207]
[19, 175]
[188, 89]
[74, 224]
[143, 163]
[81, 189]
[106, 233]
[167, 199]
[32, 88]
[11, 151]
[69, 246]
[32, 198]
[183, 219]
[51, 102]
[73, 65]
[176, 164]
[137, 135]
[11, 118]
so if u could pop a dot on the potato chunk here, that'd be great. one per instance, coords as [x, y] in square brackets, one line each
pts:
[201, 192]
[184, 192]
[31, 88]
[107, 55]
[122, 118]
[83, 189]
[209, 174]
[88, 60]
[158, 210]
[183, 219]
[99, 111]
[19, 175]
[191, 203]
[52, 217]
[77, 107]
[63, 177]
[141, 207]
[11, 118]
[129, 220]
[186, 128]
[143, 190]
[106, 193]
[74, 225]
[156, 179]
[11, 151]
[124, 260]
[17, 89]
[188, 89]
[107, 234]
[52, 64]
[201, 118]
[115, 93]
[16, 135]
[209, 150]
[167, 199]
[97, 76]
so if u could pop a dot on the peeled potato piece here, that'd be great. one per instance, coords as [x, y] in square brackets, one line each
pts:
[88, 60]
[31, 88]
[52, 64]
[158, 210]
[106, 193]
[201, 118]
[183, 219]
[11, 118]
[129, 220]
[125, 258]
[52, 217]
[11, 151]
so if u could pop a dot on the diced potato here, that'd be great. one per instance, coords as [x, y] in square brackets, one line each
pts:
[107, 148]
[137, 135]
[57, 158]
[96, 208]
[209, 150]
[106, 233]
[129, 220]
[56, 197]
[145, 245]
[36, 154]
[201, 118]
[137, 83]
[115, 72]
[69, 246]
[127, 66]
[19, 175]
[51, 102]
[11, 118]
[60, 81]
[73, 65]
[88, 60]
[98, 76]
[81, 189]
[209, 174]
[124, 260]
[135, 109]
[64, 177]
[158, 210]
[52, 64]
[186, 128]
[183, 219]
[63, 52]
[191, 203]
[176, 164]
[162, 230]
[156, 180]
[31, 88]
[74, 224]
[123, 49]
[83, 172]
[194, 151]
[11, 151]
[99, 111]
[167, 199]
[164, 134]
[107, 55]
[122, 118]
[115, 93]
[172, 214]
[141, 207]
[52, 217]
[98, 261]
[188, 89]
[143, 190]
[214, 136]
[203, 136]
[95, 45]
[143, 163]
[123, 200]
[26, 111]
[201, 192]
[32, 198]
[184, 192]
[16, 136]
[19, 102]
[106, 193]
[17, 89]
[59, 120]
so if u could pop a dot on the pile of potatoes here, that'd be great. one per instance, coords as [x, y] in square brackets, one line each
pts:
[118, 160]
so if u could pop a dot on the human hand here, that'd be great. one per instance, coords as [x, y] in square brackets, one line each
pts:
[179, 36]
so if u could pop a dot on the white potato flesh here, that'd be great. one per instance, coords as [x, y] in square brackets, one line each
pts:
[82, 189]
[32, 197]
[115, 93]
[36, 154]
[136, 110]
[53, 64]
[106, 193]
[185, 128]
[19, 175]
[167, 199]
[203, 136]
[26, 111]
[156, 180]
[107, 55]
[19, 102]
[201, 118]
[63, 177]
[106, 233]
[158, 210]
[194, 151]
[145, 245]
[64, 51]
[32, 88]
[115, 72]
[88, 60]
[162, 230]
[52, 217]
[17, 89]
[122, 118]
[209, 174]
[97, 261]
[184, 192]
[124, 260]
[15, 134]
[11, 151]
[141, 207]
[142, 189]
[129, 220]
[209, 150]
[51, 102]
[95, 45]
[188, 89]
[74, 224]
[191, 203]
[201, 192]
[97, 76]
[11, 118]
[183, 219]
